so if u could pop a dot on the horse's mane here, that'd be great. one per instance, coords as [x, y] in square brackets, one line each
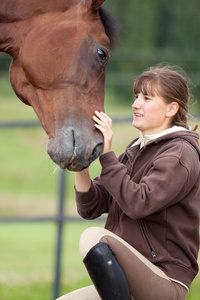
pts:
[111, 26]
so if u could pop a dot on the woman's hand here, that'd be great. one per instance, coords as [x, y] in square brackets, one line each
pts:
[104, 124]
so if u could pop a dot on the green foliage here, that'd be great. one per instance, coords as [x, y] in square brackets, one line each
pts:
[157, 23]
[153, 32]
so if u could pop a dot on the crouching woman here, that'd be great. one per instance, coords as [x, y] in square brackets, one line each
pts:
[151, 195]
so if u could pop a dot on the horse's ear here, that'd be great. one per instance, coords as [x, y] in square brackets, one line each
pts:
[96, 4]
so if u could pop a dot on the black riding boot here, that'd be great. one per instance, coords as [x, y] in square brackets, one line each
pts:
[106, 273]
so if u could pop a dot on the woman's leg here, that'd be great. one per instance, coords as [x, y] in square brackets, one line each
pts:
[146, 281]
[86, 293]
[106, 273]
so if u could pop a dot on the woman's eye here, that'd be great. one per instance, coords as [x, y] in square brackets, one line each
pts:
[147, 98]
[102, 55]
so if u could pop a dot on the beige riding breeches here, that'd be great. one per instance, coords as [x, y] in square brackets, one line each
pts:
[146, 281]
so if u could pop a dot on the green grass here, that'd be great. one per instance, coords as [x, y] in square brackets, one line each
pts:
[28, 259]
[28, 187]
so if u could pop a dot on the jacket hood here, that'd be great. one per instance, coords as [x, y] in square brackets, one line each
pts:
[190, 137]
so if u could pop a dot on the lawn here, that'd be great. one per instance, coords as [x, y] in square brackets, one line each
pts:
[28, 257]
[29, 187]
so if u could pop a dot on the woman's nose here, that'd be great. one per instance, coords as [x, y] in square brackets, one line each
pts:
[136, 103]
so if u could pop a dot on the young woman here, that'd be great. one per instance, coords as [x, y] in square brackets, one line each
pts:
[151, 193]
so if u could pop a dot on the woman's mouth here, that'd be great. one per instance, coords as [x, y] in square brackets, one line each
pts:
[138, 115]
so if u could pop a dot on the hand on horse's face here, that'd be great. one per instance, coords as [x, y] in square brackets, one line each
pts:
[104, 123]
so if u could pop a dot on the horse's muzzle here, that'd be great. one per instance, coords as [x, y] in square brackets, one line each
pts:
[74, 150]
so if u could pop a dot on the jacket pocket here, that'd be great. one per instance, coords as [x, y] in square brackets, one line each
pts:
[147, 240]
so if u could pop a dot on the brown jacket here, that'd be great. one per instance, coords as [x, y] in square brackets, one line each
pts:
[152, 197]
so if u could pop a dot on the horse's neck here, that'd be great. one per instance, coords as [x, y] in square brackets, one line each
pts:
[17, 10]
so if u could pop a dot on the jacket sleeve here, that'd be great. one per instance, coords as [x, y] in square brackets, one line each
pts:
[95, 202]
[166, 182]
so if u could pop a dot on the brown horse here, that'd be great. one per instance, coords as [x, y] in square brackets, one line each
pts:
[60, 50]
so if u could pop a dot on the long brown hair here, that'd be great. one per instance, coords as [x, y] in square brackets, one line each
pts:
[170, 85]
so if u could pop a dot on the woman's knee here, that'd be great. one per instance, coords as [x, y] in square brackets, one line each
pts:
[90, 237]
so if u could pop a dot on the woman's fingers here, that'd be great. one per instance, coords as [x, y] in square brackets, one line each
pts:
[104, 123]
[102, 120]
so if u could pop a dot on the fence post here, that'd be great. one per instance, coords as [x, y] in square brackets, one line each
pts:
[60, 223]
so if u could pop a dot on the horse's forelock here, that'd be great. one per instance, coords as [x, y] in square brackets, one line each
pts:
[111, 26]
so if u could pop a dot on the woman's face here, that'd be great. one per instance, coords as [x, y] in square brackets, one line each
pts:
[150, 114]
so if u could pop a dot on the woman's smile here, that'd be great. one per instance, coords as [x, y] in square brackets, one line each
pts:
[138, 115]
[150, 114]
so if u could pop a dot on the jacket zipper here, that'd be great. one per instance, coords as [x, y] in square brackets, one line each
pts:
[140, 221]
[147, 240]
[116, 215]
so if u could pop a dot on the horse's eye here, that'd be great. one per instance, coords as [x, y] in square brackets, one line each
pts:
[102, 55]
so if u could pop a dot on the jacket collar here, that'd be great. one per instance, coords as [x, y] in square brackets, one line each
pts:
[144, 139]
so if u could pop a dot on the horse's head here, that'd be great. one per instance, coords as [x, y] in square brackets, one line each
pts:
[58, 67]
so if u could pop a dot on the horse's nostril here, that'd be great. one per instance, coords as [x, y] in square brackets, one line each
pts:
[96, 152]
